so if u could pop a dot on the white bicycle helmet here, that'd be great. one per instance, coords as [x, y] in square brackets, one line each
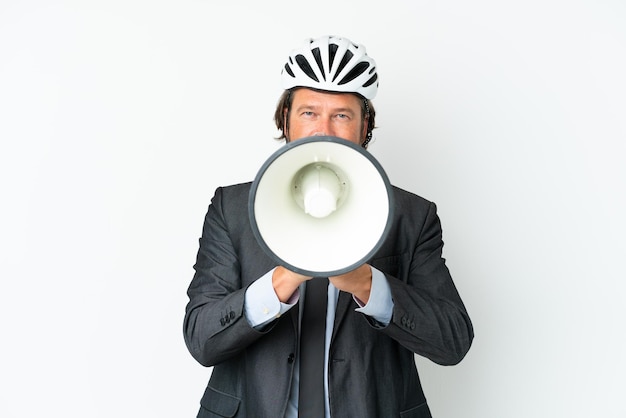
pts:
[331, 63]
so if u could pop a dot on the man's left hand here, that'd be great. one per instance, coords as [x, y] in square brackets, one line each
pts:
[358, 282]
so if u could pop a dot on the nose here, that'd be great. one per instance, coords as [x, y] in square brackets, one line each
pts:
[323, 128]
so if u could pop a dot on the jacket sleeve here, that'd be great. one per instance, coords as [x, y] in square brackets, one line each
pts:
[429, 317]
[215, 327]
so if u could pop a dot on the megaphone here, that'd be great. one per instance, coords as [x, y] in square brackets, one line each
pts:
[321, 206]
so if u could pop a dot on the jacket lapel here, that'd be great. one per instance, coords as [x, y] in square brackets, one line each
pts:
[344, 303]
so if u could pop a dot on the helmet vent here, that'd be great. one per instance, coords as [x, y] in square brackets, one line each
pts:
[355, 72]
[288, 69]
[346, 58]
[318, 60]
[332, 51]
[371, 81]
[305, 67]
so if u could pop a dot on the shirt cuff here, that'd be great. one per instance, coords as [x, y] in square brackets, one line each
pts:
[261, 305]
[380, 304]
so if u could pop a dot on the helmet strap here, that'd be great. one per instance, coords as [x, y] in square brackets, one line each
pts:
[368, 136]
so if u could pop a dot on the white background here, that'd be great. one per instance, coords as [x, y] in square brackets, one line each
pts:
[119, 118]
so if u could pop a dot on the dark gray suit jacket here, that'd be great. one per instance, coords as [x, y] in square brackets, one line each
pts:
[372, 371]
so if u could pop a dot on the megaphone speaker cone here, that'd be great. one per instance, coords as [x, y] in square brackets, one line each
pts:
[321, 206]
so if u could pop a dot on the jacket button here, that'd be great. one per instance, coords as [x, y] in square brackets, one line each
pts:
[232, 314]
[222, 321]
[290, 358]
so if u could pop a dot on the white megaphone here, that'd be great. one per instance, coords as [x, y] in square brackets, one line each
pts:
[321, 206]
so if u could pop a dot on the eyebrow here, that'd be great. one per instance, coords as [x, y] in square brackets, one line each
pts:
[344, 110]
[333, 110]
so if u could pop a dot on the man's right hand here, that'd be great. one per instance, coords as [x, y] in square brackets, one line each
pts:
[286, 282]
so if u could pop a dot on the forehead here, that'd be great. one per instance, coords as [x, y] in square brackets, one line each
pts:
[308, 97]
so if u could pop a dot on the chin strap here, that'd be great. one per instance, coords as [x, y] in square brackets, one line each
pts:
[368, 137]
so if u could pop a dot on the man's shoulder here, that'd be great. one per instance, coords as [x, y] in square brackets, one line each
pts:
[237, 188]
[234, 191]
[406, 198]
[231, 198]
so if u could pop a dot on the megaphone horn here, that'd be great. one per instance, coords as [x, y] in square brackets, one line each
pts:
[321, 206]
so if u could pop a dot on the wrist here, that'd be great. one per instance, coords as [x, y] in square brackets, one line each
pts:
[363, 295]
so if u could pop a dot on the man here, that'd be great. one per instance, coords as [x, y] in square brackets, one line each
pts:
[245, 314]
